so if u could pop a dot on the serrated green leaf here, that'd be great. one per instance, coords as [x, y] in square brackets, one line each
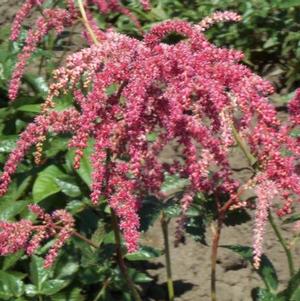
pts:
[10, 260]
[65, 266]
[52, 287]
[266, 270]
[22, 188]
[9, 209]
[7, 143]
[68, 186]
[38, 84]
[172, 208]
[144, 253]
[149, 212]
[173, 183]
[55, 145]
[139, 277]
[261, 294]
[45, 183]
[10, 286]
[99, 234]
[75, 206]
[38, 273]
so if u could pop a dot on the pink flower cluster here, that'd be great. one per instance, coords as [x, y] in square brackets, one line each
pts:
[25, 235]
[191, 92]
[57, 19]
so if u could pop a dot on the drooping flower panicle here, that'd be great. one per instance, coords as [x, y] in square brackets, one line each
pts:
[191, 92]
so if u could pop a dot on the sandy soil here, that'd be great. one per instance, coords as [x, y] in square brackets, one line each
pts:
[235, 277]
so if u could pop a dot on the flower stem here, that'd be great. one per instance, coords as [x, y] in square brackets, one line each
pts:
[88, 241]
[120, 258]
[284, 245]
[103, 289]
[165, 230]
[78, 235]
[216, 234]
[86, 22]
[251, 159]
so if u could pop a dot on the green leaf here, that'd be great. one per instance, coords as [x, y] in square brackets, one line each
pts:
[31, 290]
[38, 84]
[70, 295]
[149, 212]
[151, 137]
[236, 217]
[55, 145]
[10, 286]
[52, 287]
[65, 271]
[296, 295]
[292, 219]
[266, 270]
[38, 274]
[32, 108]
[173, 183]
[261, 294]
[288, 3]
[85, 169]
[172, 208]
[292, 288]
[139, 277]
[295, 132]
[45, 183]
[144, 253]
[112, 89]
[22, 188]
[7, 143]
[10, 260]
[99, 234]
[9, 209]
[75, 206]
[64, 102]
[68, 186]
[196, 228]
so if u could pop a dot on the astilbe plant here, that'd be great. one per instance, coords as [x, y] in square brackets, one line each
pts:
[191, 92]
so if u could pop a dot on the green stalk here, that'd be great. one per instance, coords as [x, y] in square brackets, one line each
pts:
[102, 290]
[284, 245]
[86, 22]
[120, 258]
[165, 230]
[251, 159]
